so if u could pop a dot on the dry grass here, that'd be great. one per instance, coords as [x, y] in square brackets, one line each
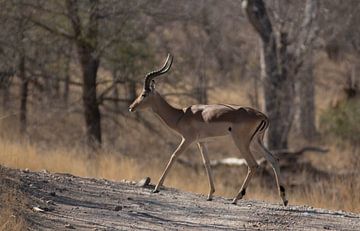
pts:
[10, 218]
[54, 136]
[340, 193]
[335, 193]
[12, 205]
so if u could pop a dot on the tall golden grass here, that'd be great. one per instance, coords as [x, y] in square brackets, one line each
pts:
[12, 205]
[10, 218]
[340, 193]
[54, 135]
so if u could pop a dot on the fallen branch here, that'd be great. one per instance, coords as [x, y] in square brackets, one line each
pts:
[232, 161]
[280, 154]
[285, 153]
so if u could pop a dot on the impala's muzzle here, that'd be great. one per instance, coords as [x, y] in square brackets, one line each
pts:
[132, 107]
[135, 104]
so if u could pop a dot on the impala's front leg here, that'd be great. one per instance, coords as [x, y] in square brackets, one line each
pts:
[204, 154]
[185, 143]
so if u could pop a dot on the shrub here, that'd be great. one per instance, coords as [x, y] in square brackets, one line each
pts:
[343, 121]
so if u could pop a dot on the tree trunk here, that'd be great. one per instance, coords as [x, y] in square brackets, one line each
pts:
[67, 81]
[23, 95]
[89, 66]
[201, 89]
[254, 99]
[115, 91]
[86, 44]
[201, 93]
[5, 84]
[306, 91]
[305, 81]
[67, 78]
[55, 86]
[278, 85]
[66, 87]
[278, 94]
[6, 98]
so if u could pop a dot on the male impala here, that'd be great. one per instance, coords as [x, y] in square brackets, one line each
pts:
[245, 125]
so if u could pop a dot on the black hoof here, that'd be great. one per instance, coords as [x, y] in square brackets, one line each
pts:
[209, 199]
[285, 203]
[155, 191]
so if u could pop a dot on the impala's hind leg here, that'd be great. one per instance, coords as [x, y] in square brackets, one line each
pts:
[204, 154]
[275, 166]
[244, 147]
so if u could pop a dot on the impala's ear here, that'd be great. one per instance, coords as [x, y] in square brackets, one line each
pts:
[152, 85]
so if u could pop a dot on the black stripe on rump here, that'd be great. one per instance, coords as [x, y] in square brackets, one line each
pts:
[258, 128]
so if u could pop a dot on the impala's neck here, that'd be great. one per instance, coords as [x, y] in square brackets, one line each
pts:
[166, 112]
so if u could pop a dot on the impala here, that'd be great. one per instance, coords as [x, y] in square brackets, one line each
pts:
[196, 123]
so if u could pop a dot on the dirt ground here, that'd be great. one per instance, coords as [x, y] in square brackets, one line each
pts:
[66, 202]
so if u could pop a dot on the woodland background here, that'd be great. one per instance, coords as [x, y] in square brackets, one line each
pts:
[69, 70]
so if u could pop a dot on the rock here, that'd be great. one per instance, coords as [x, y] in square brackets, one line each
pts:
[38, 209]
[118, 208]
[53, 194]
[50, 202]
[62, 189]
[68, 226]
[144, 182]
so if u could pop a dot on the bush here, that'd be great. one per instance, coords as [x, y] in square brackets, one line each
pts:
[343, 121]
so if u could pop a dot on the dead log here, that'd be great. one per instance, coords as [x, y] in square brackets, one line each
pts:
[284, 154]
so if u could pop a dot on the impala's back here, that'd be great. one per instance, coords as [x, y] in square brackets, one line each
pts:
[206, 121]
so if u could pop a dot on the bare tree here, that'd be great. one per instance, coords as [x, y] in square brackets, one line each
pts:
[86, 40]
[306, 94]
[341, 40]
[67, 77]
[279, 65]
[24, 79]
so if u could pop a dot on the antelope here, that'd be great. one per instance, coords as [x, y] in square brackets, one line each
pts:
[197, 123]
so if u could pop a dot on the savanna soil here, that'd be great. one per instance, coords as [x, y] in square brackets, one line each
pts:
[62, 201]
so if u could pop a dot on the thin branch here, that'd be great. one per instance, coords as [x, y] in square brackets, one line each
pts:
[51, 29]
[113, 99]
[295, 153]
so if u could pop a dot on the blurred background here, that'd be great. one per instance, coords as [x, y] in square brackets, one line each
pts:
[69, 70]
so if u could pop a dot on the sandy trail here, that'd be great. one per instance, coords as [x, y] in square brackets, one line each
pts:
[71, 202]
